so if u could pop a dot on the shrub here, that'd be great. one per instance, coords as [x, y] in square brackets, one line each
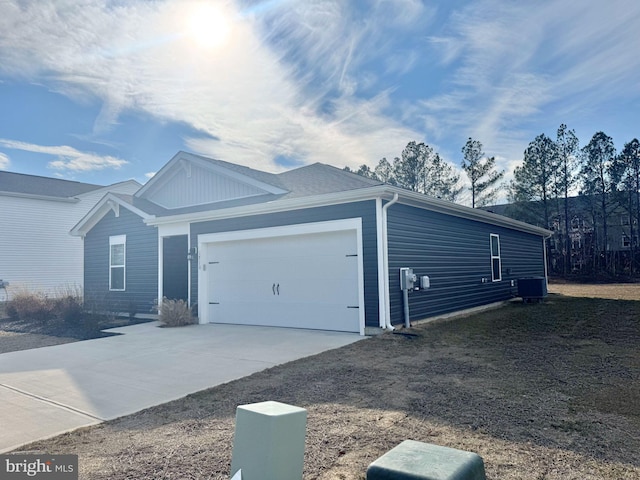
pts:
[174, 313]
[25, 306]
[68, 309]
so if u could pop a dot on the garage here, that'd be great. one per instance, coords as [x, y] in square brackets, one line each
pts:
[306, 276]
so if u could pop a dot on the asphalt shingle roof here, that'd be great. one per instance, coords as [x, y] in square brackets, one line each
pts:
[45, 186]
[319, 178]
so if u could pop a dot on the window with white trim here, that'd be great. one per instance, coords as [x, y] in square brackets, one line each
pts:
[117, 262]
[496, 264]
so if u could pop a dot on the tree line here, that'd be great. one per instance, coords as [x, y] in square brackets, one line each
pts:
[579, 193]
[588, 196]
[421, 169]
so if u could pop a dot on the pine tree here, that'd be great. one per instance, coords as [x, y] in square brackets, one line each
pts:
[598, 156]
[567, 150]
[535, 179]
[481, 173]
[626, 175]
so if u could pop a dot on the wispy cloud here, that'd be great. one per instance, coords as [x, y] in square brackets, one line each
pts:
[4, 161]
[333, 81]
[288, 73]
[513, 60]
[68, 158]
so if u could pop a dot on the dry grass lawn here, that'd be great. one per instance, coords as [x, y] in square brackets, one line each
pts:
[540, 391]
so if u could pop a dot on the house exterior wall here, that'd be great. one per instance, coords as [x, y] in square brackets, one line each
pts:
[141, 270]
[365, 210]
[455, 253]
[37, 253]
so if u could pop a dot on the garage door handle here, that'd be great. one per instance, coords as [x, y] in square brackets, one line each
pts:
[278, 289]
[273, 288]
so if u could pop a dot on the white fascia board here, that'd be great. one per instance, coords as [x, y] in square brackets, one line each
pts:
[40, 197]
[100, 209]
[271, 207]
[442, 206]
[368, 193]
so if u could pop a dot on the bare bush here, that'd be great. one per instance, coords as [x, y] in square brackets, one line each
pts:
[29, 306]
[174, 313]
[68, 309]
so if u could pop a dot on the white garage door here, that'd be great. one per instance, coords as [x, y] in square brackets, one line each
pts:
[302, 281]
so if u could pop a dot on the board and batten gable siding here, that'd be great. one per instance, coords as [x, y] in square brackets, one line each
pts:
[198, 186]
[365, 210]
[141, 265]
[456, 255]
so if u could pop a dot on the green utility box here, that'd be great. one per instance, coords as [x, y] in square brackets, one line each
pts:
[413, 460]
[269, 441]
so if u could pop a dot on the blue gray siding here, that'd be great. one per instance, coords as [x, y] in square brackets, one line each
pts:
[141, 264]
[365, 210]
[455, 253]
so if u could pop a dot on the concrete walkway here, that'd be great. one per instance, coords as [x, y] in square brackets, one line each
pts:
[51, 390]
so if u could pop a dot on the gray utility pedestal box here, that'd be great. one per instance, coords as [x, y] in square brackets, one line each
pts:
[413, 460]
[532, 288]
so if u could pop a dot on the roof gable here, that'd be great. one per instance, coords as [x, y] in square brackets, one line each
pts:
[110, 202]
[190, 180]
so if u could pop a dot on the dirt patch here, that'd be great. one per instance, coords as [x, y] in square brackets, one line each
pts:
[539, 391]
[614, 291]
[13, 341]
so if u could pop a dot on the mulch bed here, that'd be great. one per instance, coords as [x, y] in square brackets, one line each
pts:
[24, 335]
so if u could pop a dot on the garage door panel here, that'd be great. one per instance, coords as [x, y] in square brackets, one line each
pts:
[333, 317]
[303, 281]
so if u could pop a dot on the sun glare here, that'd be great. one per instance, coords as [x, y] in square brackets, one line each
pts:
[208, 25]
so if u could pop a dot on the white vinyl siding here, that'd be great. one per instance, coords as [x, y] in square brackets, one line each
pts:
[37, 253]
[117, 262]
[496, 262]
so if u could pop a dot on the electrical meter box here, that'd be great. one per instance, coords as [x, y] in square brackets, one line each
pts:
[407, 279]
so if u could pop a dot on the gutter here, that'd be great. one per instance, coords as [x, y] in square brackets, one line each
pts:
[385, 253]
[34, 196]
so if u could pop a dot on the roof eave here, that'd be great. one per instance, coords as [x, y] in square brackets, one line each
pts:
[443, 206]
[32, 196]
[271, 207]
[362, 194]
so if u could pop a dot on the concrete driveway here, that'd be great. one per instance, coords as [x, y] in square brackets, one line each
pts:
[51, 390]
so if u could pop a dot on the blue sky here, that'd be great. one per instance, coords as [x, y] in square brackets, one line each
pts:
[102, 91]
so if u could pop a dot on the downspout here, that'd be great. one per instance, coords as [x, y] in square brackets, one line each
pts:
[544, 253]
[385, 250]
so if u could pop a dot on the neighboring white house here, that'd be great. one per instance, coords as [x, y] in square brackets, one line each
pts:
[37, 252]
